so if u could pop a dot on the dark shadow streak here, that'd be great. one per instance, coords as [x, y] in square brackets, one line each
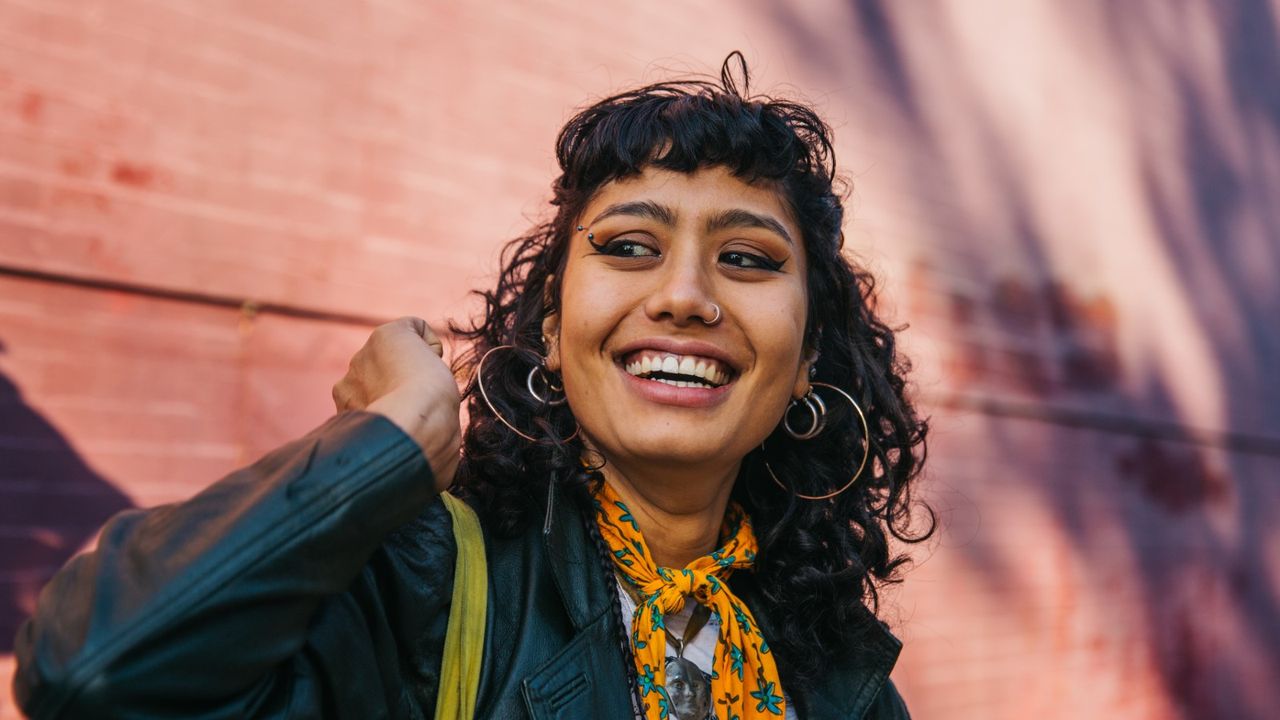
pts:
[1168, 491]
[51, 503]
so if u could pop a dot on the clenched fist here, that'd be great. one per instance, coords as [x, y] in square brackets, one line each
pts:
[400, 373]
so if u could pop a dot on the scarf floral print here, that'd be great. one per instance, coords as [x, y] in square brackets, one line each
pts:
[744, 679]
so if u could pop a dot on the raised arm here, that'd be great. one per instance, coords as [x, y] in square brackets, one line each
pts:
[200, 608]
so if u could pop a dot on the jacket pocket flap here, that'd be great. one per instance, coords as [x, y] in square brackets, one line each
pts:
[586, 679]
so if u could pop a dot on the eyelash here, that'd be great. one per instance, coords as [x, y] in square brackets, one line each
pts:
[612, 248]
[763, 262]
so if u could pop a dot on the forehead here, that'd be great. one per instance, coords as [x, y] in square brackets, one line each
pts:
[706, 190]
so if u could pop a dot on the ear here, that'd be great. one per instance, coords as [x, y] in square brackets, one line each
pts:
[551, 331]
[803, 384]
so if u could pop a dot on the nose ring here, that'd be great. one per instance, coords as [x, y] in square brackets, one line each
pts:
[715, 320]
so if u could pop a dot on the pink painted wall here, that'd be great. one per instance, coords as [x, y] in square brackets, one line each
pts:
[1072, 205]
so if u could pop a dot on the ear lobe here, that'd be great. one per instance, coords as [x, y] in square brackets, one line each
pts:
[551, 339]
[803, 384]
[551, 331]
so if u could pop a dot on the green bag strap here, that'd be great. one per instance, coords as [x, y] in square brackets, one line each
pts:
[464, 639]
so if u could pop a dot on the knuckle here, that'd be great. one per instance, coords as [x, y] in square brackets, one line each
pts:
[340, 393]
[417, 325]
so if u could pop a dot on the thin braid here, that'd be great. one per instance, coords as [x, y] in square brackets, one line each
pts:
[588, 479]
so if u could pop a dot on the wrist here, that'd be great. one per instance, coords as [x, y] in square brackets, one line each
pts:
[436, 433]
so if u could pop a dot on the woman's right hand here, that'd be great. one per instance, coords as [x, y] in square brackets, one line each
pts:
[400, 373]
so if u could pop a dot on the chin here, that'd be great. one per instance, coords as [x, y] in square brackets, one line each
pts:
[676, 448]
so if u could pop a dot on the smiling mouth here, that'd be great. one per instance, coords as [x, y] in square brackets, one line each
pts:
[678, 370]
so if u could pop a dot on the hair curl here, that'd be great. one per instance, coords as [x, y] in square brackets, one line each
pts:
[818, 561]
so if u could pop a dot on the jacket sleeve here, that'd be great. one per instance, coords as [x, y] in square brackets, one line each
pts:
[204, 608]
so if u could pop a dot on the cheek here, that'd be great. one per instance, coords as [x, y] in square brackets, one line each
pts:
[587, 313]
[778, 332]
[781, 356]
[590, 311]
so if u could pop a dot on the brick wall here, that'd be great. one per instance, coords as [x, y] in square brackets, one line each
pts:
[204, 207]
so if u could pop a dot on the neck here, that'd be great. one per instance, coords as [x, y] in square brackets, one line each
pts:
[678, 508]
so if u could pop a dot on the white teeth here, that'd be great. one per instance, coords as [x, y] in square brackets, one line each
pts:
[681, 383]
[708, 372]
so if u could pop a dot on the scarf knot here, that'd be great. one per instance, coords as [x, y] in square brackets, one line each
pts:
[744, 678]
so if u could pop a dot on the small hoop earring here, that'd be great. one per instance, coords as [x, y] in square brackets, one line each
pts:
[866, 453]
[479, 380]
[715, 320]
[528, 383]
[817, 409]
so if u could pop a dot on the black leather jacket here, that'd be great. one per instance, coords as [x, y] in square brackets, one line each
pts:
[317, 583]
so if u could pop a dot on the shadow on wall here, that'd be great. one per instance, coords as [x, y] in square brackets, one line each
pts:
[53, 503]
[1181, 515]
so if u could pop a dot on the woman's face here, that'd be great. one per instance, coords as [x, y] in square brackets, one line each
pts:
[648, 379]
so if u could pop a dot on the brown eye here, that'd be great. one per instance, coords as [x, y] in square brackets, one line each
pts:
[625, 247]
[741, 259]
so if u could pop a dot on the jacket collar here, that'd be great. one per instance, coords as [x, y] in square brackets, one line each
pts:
[575, 562]
[847, 690]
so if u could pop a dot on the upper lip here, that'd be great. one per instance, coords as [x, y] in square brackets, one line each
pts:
[677, 347]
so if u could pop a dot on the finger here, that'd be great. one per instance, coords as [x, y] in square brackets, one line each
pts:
[341, 395]
[424, 331]
[418, 324]
[436, 345]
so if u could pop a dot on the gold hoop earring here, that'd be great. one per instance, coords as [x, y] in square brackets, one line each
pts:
[479, 380]
[819, 423]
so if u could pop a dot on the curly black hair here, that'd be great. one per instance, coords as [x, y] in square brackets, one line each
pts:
[819, 562]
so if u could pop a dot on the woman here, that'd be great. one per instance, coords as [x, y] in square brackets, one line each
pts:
[688, 442]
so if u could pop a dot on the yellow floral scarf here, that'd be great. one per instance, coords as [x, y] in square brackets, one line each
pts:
[744, 678]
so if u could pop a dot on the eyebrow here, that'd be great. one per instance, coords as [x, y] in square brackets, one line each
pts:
[647, 209]
[734, 218]
[738, 218]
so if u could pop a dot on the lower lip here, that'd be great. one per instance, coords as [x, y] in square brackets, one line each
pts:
[662, 393]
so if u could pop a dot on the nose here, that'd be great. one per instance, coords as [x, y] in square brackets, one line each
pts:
[683, 294]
